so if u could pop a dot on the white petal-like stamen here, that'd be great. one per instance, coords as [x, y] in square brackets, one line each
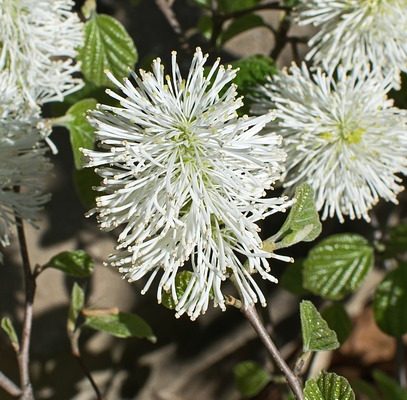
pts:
[355, 32]
[343, 137]
[38, 41]
[185, 180]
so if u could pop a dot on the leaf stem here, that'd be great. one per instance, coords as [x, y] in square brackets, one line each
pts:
[293, 381]
[74, 339]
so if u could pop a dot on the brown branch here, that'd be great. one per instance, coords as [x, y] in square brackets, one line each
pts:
[293, 381]
[30, 286]
[9, 386]
[281, 36]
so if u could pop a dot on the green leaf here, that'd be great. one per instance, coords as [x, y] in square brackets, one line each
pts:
[390, 302]
[302, 223]
[316, 334]
[250, 378]
[228, 6]
[205, 26]
[253, 71]
[292, 279]
[364, 388]
[338, 320]
[8, 328]
[75, 307]
[76, 263]
[82, 133]
[240, 25]
[397, 242]
[107, 47]
[328, 386]
[337, 265]
[181, 282]
[84, 181]
[390, 389]
[121, 325]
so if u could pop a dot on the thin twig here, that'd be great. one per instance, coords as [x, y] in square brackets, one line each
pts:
[165, 7]
[293, 381]
[74, 340]
[9, 386]
[401, 363]
[30, 286]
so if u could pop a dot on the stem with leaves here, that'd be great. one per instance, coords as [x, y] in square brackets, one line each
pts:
[293, 381]
[23, 356]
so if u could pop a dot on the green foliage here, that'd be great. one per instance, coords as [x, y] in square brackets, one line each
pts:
[362, 387]
[84, 181]
[229, 6]
[75, 307]
[302, 223]
[75, 263]
[390, 302]
[316, 334]
[328, 386]
[240, 25]
[253, 71]
[107, 47]
[337, 265]
[8, 328]
[250, 378]
[390, 389]
[82, 134]
[181, 282]
[338, 320]
[397, 242]
[121, 325]
[292, 278]
[205, 26]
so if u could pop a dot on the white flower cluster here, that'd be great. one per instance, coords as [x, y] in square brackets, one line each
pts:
[358, 32]
[341, 132]
[343, 136]
[38, 39]
[23, 164]
[185, 180]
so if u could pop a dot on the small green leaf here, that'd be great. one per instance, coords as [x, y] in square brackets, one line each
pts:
[390, 389]
[302, 223]
[292, 279]
[240, 25]
[250, 378]
[84, 181]
[337, 265]
[107, 47]
[75, 307]
[8, 328]
[228, 6]
[338, 320]
[181, 282]
[328, 386]
[397, 242]
[121, 325]
[390, 302]
[253, 71]
[76, 263]
[82, 134]
[316, 334]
